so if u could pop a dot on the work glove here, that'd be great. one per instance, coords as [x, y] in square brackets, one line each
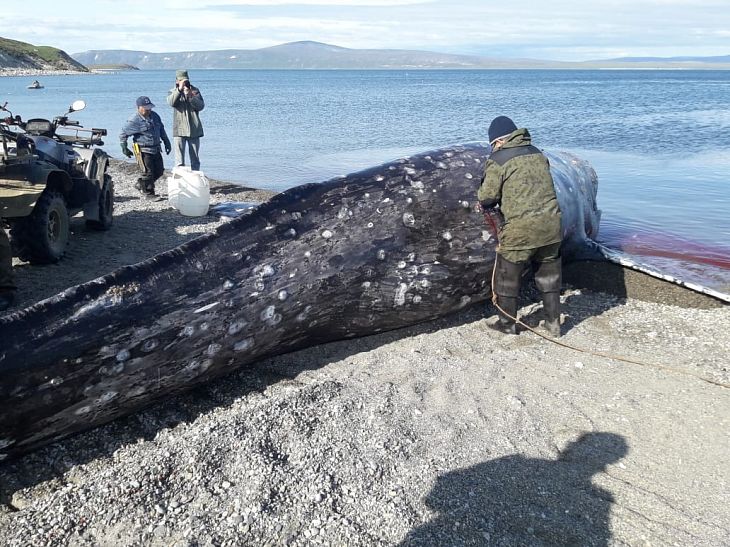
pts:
[167, 148]
[126, 151]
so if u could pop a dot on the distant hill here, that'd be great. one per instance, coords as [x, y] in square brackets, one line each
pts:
[24, 56]
[111, 68]
[710, 60]
[299, 55]
[315, 55]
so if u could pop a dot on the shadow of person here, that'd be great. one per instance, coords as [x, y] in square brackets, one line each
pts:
[525, 501]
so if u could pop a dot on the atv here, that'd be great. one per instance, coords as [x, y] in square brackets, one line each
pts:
[50, 171]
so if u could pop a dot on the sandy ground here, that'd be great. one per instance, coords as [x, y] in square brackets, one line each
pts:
[444, 433]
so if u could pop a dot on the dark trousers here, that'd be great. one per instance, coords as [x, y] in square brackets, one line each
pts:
[7, 282]
[154, 167]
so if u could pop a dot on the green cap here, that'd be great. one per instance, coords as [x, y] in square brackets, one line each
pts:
[181, 75]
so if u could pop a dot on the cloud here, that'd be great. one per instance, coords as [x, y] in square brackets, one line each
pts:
[352, 3]
[560, 29]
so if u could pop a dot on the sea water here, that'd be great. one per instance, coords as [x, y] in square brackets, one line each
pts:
[659, 140]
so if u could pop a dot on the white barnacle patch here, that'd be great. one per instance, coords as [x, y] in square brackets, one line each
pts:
[123, 355]
[291, 232]
[150, 345]
[425, 283]
[370, 224]
[283, 295]
[409, 220]
[449, 154]
[409, 171]
[213, 349]
[207, 308]
[392, 168]
[447, 236]
[82, 410]
[302, 316]
[106, 397]
[243, 345]
[366, 285]
[343, 213]
[268, 313]
[228, 285]
[409, 200]
[465, 204]
[381, 254]
[402, 264]
[236, 327]
[366, 195]
[307, 254]
[259, 285]
[486, 236]
[199, 265]
[411, 257]
[189, 330]
[400, 294]
[417, 184]
[378, 178]
[265, 270]
[417, 299]
[464, 301]
[441, 165]
[386, 200]
[204, 326]
[426, 270]
[327, 234]
[296, 216]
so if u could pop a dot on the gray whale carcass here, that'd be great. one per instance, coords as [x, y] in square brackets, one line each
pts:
[377, 250]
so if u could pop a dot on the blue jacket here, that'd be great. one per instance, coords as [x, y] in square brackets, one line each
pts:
[147, 132]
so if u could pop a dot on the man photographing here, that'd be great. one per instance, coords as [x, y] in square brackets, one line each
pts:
[186, 101]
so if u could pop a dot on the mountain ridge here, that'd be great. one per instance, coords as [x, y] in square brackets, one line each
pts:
[318, 55]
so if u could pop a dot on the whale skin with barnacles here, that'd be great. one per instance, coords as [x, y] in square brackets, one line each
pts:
[376, 250]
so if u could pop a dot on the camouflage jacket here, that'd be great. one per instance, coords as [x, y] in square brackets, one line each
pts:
[517, 178]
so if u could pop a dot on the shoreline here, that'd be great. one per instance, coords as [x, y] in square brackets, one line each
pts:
[438, 433]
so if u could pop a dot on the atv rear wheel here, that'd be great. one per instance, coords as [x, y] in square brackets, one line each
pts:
[42, 237]
[106, 207]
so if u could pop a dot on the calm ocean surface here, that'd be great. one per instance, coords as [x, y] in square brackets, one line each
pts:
[659, 140]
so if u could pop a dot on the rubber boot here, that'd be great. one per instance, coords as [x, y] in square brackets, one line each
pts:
[507, 288]
[548, 279]
[505, 324]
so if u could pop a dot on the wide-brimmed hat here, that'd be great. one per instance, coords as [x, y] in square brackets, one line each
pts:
[145, 102]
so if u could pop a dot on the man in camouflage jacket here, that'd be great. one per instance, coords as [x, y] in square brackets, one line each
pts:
[517, 180]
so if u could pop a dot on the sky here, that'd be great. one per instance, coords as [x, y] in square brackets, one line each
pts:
[564, 30]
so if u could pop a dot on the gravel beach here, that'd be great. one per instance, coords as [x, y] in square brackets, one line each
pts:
[444, 433]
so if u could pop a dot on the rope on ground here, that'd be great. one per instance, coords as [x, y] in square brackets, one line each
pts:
[598, 353]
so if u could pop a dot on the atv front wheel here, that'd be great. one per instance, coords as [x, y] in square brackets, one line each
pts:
[106, 207]
[42, 237]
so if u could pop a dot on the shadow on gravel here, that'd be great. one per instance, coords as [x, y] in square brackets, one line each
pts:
[525, 501]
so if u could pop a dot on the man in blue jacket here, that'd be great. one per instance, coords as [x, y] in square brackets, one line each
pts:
[147, 131]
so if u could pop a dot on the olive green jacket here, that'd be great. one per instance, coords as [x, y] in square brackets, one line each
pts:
[185, 120]
[517, 178]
